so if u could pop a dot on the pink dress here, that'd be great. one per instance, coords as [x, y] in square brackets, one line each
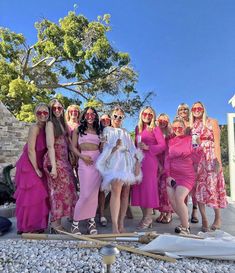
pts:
[210, 188]
[164, 203]
[62, 191]
[32, 205]
[90, 181]
[146, 193]
[179, 163]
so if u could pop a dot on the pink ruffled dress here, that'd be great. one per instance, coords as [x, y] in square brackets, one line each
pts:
[32, 205]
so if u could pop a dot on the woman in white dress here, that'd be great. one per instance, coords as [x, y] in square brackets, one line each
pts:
[119, 164]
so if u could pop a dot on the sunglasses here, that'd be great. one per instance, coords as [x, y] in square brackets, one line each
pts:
[89, 115]
[59, 108]
[149, 115]
[40, 113]
[183, 109]
[179, 129]
[73, 111]
[105, 120]
[197, 109]
[163, 122]
[118, 117]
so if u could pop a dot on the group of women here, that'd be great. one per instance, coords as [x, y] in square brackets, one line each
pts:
[158, 170]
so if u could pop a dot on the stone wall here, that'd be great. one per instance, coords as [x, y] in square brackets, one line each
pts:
[13, 135]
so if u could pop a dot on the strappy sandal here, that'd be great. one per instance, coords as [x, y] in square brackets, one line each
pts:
[179, 228]
[167, 219]
[184, 231]
[91, 226]
[160, 217]
[145, 223]
[214, 227]
[75, 228]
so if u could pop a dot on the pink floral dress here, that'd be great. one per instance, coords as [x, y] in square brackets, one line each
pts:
[210, 187]
[62, 193]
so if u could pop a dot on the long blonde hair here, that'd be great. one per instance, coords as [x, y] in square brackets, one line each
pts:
[72, 106]
[140, 122]
[204, 116]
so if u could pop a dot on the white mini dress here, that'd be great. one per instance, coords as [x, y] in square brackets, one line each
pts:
[119, 165]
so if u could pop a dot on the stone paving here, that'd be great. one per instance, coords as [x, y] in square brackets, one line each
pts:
[228, 223]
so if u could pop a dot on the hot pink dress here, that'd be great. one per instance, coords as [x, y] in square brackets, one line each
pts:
[62, 193]
[179, 163]
[32, 205]
[90, 181]
[146, 193]
[210, 188]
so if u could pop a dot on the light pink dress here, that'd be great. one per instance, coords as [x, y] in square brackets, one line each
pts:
[32, 205]
[146, 193]
[210, 188]
[90, 181]
[179, 163]
[62, 192]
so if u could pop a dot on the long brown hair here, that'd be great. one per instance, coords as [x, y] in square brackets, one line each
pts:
[58, 130]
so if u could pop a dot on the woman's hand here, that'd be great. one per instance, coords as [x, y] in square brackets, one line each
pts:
[53, 173]
[143, 146]
[118, 144]
[87, 159]
[38, 172]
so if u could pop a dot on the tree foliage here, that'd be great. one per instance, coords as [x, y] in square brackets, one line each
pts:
[74, 55]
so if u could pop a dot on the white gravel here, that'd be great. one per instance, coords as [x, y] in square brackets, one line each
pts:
[33, 256]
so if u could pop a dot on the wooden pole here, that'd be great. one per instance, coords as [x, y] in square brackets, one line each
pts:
[120, 247]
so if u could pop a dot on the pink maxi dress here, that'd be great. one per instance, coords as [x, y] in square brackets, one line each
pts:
[179, 163]
[62, 192]
[210, 188]
[32, 205]
[90, 180]
[146, 193]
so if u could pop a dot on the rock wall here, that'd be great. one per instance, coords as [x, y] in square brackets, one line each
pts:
[13, 135]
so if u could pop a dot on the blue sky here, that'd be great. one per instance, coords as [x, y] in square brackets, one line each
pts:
[183, 50]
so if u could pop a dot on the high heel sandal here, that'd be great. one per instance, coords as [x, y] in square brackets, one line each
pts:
[215, 227]
[179, 228]
[91, 226]
[75, 228]
[160, 217]
[145, 223]
[167, 218]
[184, 231]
